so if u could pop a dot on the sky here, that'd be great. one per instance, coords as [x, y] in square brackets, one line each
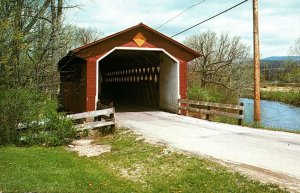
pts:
[279, 20]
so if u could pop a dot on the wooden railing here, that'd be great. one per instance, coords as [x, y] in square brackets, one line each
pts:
[96, 119]
[209, 108]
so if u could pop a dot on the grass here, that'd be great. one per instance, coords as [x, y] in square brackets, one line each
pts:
[132, 166]
[290, 97]
[213, 94]
[258, 126]
[233, 121]
[224, 119]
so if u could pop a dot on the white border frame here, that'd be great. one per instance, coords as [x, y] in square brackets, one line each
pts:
[138, 49]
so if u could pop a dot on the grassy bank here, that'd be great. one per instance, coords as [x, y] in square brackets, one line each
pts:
[290, 97]
[132, 166]
[232, 121]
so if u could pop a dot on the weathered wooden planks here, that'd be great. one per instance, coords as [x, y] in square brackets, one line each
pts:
[218, 105]
[207, 108]
[212, 112]
[104, 117]
[92, 125]
[97, 113]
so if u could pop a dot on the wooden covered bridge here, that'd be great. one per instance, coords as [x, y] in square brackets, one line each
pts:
[138, 65]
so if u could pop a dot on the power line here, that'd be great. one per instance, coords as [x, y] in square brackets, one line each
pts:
[210, 18]
[180, 13]
[157, 3]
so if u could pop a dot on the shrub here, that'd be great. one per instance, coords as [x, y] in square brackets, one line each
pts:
[17, 106]
[212, 94]
[29, 117]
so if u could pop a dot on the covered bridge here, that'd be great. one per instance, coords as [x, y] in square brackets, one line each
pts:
[138, 65]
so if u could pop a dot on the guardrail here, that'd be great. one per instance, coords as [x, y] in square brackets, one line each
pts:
[209, 108]
[98, 118]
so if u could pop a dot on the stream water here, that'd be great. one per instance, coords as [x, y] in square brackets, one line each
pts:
[274, 114]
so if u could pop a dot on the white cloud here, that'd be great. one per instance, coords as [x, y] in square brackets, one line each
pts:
[279, 20]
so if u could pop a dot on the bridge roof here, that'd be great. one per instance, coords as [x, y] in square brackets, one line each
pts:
[139, 36]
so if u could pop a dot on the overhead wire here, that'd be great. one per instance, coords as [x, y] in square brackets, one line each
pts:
[154, 5]
[210, 18]
[188, 8]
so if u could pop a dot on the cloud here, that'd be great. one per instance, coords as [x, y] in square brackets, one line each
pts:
[279, 20]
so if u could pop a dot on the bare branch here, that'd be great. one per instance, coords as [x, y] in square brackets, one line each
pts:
[35, 19]
[219, 54]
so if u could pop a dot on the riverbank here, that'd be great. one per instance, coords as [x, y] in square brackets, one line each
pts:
[288, 96]
[232, 121]
[291, 97]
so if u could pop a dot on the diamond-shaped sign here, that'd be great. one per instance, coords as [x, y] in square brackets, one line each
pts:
[139, 39]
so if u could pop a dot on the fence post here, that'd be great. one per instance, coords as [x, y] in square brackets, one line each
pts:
[178, 109]
[207, 115]
[241, 111]
[112, 117]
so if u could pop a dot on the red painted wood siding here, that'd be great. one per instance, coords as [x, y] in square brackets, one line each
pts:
[90, 83]
[183, 79]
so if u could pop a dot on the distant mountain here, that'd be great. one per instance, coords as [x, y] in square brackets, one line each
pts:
[278, 61]
[273, 66]
[281, 58]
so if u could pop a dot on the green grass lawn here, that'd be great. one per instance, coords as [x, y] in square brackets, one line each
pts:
[132, 166]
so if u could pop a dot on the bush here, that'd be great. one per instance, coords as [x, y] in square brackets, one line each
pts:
[212, 94]
[16, 108]
[29, 117]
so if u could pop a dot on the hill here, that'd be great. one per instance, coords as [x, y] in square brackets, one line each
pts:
[282, 58]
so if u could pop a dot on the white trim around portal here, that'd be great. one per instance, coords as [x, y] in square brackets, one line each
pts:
[138, 49]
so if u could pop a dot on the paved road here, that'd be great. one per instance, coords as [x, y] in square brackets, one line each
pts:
[275, 151]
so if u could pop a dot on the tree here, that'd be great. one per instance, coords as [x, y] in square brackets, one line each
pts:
[295, 49]
[292, 74]
[32, 40]
[84, 36]
[79, 36]
[222, 57]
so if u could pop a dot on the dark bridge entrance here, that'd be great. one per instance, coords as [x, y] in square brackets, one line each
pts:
[131, 77]
[147, 77]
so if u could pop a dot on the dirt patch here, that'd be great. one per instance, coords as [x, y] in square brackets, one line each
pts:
[134, 173]
[85, 147]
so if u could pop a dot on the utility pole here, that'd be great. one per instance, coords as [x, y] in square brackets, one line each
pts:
[256, 63]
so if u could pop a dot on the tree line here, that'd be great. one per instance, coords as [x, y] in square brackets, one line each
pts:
[226, 66]
[33, 38]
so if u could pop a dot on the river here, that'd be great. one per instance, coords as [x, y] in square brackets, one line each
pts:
[274, 114]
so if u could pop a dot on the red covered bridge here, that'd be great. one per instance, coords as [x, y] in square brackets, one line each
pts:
[138, 65]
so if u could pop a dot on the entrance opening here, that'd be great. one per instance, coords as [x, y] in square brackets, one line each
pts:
[140, 77]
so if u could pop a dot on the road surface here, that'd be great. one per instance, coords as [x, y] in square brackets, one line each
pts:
[268, 151]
